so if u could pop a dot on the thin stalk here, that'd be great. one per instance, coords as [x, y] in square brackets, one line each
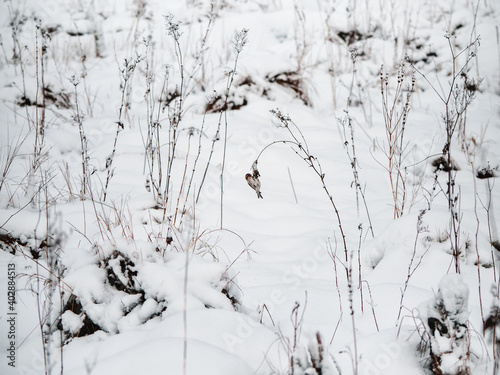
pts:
[127, 73]
[183, 178]
[311, 161]
[353, 319]
[239, 42]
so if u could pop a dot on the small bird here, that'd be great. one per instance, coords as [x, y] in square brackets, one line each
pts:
[254, 183]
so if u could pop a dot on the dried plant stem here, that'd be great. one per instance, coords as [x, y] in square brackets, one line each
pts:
[7, 62]
[40, 85]
[477, 251]
[39, 123]
[492, 228]
[372, 304]
[297, 323]
[199, 63]
[239, 42]
[193, 170]
[152, 145]
[498, 49]
[212, 148]
[191, 133]
[8, 160]
[360, 283]
[329, 44]
[333, 255]
[456, 101]
[395, 120]
[78, 118]
[291, 184]
[352, 155]
[350, 287]
[300, 36]
[184, 313]
[126, 75]
[411, 271]
[16, 22]
[354, 166]
[176, 112]
[301, 149]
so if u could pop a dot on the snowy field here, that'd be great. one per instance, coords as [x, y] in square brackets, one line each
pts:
[136, 245]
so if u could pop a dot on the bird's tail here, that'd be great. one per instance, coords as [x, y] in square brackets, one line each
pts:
[259, 195]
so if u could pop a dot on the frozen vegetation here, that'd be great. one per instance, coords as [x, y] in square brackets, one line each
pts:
[130, 128]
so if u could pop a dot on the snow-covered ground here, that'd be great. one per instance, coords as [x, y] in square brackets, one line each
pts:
[126, 131]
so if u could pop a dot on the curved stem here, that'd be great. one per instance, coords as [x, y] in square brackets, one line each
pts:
[316, 166]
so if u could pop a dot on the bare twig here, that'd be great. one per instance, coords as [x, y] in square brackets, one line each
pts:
[302, 150]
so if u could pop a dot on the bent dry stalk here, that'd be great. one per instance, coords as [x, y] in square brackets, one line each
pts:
[300, 147]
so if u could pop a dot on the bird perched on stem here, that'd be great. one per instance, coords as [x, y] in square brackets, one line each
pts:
[254, 183]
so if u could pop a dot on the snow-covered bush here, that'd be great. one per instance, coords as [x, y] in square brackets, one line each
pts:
[446, 336]
[312, 359]
[124, 290]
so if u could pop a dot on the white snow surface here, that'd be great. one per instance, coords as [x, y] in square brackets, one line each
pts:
[213, 280]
